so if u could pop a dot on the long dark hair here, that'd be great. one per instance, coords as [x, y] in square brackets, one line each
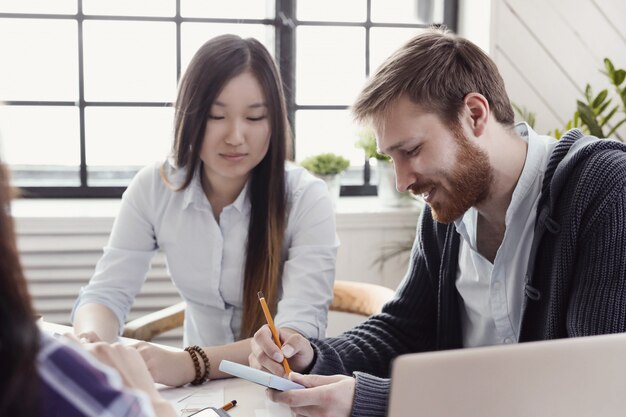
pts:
[19, 336]
[214, 64]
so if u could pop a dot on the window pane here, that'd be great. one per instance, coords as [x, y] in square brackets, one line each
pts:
[330, 64]
[233, 9]
[121, 137]
[194, 35]
[332, 10]
[320, 131]
[28, 47]
[38, 6]
[130, 8]
[130, 61]
[407, 11]
[385, 41]
[41, 144]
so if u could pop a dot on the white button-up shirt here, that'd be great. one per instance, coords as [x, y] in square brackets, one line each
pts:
[206, 259]
[493, 293]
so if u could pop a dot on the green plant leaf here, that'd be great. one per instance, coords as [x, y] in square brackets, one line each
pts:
[599, 99]
[588, 118]
[610, 69]
[588, 93]
[367, 142]
[557, 134]
[606, 118]
[618, 77]
[326, 164]
[602, 108]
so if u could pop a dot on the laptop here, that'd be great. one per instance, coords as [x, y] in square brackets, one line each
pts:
[578, 377]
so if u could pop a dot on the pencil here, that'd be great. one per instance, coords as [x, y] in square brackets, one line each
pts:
[229, 405]
[270, 323]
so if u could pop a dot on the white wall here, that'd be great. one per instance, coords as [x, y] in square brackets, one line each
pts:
[547, 50]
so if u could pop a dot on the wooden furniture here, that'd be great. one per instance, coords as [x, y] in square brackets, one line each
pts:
[348, 296]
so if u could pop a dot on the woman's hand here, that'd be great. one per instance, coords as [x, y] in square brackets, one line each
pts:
[88, 337]
[325, 396]
[267, 356]
[173, 368]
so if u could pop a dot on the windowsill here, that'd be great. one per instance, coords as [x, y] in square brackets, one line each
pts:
[84, 214]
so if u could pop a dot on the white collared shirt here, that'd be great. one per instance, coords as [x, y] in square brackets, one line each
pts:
[493, 293]
[206, 259]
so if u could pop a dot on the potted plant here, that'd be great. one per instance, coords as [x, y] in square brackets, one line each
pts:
[596, 114]
[327, 166]
[387, 191]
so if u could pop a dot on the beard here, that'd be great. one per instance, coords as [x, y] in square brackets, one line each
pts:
[468, 183]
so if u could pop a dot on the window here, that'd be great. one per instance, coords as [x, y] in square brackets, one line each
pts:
[88, 85]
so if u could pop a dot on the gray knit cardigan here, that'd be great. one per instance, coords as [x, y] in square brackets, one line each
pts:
[575, 282]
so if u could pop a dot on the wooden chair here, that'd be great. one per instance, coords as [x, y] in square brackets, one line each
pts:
[348, 296]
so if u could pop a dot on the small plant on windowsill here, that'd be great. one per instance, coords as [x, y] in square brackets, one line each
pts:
[367, 142]
[327, 166]
[387, 192]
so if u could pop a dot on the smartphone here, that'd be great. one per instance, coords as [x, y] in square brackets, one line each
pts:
[258, 377]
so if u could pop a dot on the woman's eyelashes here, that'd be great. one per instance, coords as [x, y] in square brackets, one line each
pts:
[249, 118]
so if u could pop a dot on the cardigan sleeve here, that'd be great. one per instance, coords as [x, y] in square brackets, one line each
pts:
[597, 303]
[407, 324]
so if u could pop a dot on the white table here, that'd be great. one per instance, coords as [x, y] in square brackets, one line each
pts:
[251, 398]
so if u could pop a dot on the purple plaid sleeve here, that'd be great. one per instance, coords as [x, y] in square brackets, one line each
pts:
[75, 385]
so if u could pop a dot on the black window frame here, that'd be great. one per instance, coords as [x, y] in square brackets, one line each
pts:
[285, 23]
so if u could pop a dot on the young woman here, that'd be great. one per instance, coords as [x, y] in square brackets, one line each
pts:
[231, 216]
[44, 377]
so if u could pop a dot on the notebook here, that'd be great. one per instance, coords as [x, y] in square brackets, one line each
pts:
[578, 377]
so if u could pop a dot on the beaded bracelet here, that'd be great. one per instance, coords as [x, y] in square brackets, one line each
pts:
[193, 352]
[196, 364]
[205, 359]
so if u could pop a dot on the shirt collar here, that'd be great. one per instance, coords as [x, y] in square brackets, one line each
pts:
[194, 194]
[533, 168]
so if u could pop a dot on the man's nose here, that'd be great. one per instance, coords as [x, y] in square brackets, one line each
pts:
[404, 178]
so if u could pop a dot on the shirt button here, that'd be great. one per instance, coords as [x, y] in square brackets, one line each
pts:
[508, 340]
[496, 285]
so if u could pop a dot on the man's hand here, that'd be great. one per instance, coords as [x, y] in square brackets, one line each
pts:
[173, 368]
[267, 356]
[325, 396]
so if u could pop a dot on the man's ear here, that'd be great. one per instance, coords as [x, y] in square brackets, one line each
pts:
[477, 110]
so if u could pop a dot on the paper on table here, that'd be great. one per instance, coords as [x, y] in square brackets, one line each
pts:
[273, 409]
[188, 400]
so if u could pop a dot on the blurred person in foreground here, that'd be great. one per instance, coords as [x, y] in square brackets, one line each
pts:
[44, 376]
